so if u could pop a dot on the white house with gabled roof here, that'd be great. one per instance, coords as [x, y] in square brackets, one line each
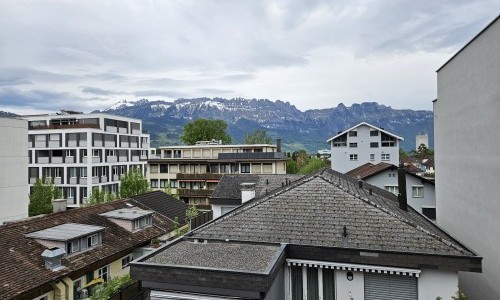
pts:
[361, 144]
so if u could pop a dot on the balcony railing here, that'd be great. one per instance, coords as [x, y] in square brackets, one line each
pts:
[194, 193]
[252, 155]
[201, 176]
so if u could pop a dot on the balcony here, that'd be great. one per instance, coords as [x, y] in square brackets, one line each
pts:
[69, 159]
[64, 126]
[252, 155]
[73, 180]
[194, 193]
[122, 130]
[57, 180]
[57, 159]
[201, 177]
[43, 160]
[111, 159]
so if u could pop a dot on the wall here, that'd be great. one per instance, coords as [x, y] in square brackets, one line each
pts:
[433, 283]
[468, 158]
[277, 289]
[341, 155]
[349, 290]
[14, 188]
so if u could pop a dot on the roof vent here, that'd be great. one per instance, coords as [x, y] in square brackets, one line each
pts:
[345, 239]
[52, 258]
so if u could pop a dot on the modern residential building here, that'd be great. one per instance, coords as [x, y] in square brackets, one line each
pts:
[420, 191]
[467, 143]
[193, 172]
[234, 190]
[14, 188]
[421, 139]
[321, 237]
[361, 144]
[61, 255]
[80, 152]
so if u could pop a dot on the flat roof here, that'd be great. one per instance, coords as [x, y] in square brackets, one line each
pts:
[127, 213]
[65, 232]
[220, 255]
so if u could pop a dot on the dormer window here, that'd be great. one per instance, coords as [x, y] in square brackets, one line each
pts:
[72, 237]
[132, 218]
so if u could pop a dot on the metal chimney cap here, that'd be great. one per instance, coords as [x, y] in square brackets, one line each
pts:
[53, 253]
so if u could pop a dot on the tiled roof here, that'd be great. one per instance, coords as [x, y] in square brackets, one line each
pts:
[164, 204]
[314, 210]
[229, 185]
[368, 170]
[23, 268]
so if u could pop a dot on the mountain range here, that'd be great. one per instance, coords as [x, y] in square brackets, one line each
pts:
[297, 129]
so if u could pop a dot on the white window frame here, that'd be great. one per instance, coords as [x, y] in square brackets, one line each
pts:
[353, 157]
[102, 271]
[96, 151]
[385, 156]
[91, 237]
[353, 145]
[72, 172]
[372, 157]
[69, 153]
[74, 246]
[416, 188]
[83, 172]
[392, 189]
[126, 260]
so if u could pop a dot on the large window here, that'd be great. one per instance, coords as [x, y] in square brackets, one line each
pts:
[353, 133]
[385, 286]
[417, 191]
[163, 168]
[296, 274]
[307, 279]
[374, 145]
[353, 145]
[245, 168]
[373, 132]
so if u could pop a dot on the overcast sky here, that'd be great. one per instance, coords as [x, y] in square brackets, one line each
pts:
[87, 55]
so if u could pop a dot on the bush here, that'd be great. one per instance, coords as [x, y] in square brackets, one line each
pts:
[108, 289]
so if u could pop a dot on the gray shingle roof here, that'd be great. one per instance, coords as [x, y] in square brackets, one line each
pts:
[164, 204]
[315, 209]
[220, 255]
[229, 185]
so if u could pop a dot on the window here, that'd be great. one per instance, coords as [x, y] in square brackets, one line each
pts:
[388, 141]
[163, 183]
[92, 240]
[163, 168]
[154, 183]
[40, 137]
[353, 145]
[392, 188]
[54, 137]
[44, 297]
[126, 260]
[373, 132]
[353, 157]
[225, 209]
[417, 191]
[173, 183]
[72, 172]
[372, 157]
[353, 133]
[296, 274]
[386, 156]
[84, 152]
[96, 153]
[95, 171]
[70, 153]
[429, 212]
[143, 222]
[177, 153]
[374, 145]
[73, 246]
[110, 153]
[56, 172]
[83, 172]
[103, 273]
[245, 168]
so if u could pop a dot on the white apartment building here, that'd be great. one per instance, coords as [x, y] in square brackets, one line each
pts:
[80, 152]
[361, 144]
[421, 139]
[467, 143]
[14, 187]
[194, 171]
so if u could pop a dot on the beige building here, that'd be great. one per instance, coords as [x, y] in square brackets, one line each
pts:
[194, 171]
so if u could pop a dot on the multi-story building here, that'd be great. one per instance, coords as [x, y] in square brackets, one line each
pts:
[421, 139]
[194, 171]
[361, 144]
[14, 163]
[80, 152]
[467, 137]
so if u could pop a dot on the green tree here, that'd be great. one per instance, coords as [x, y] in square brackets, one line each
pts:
[423, 152]
[133, 183]
[168, 191]
[205, 130]
[291, 167]
[41, 197]
[191, 213]
[402, 154]
[258, 137]
[313, 165]
[111, 287]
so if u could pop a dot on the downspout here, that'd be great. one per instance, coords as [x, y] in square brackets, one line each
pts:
[69, 294]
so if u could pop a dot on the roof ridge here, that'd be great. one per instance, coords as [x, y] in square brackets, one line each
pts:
[393, 214]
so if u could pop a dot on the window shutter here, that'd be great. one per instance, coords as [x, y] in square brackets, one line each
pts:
[394, 287]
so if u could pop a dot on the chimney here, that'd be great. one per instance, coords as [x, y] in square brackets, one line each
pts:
[59, 205]
[360, 183]
[278, 145]
[52, 258]
[247, 191]
[403, 201]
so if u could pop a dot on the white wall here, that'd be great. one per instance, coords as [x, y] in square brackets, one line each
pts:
[467, 143]
[218, 209]
[14, 188]
[434, 283]
[341, 155]
[349, 290]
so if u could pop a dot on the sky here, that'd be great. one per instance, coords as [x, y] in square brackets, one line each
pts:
[88, 55]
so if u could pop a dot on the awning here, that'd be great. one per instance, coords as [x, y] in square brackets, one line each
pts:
[94, 281]
[353, 267]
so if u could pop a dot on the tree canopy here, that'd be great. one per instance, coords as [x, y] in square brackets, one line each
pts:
[41, 197]
[302, 163]
[205, 130]
[133, 183]
[258, 137]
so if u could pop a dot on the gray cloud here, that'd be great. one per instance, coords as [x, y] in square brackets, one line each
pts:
[97, 91]
[167, 94]
[215, 91]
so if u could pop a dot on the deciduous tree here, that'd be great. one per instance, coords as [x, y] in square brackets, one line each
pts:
[133, 183]
[258, 137]
[205, 130]
[41, 197]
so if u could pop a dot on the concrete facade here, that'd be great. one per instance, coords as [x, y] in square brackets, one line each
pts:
[14, 189]
[467, 155]
[421, 139]
[80, 152]
[361, 144]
